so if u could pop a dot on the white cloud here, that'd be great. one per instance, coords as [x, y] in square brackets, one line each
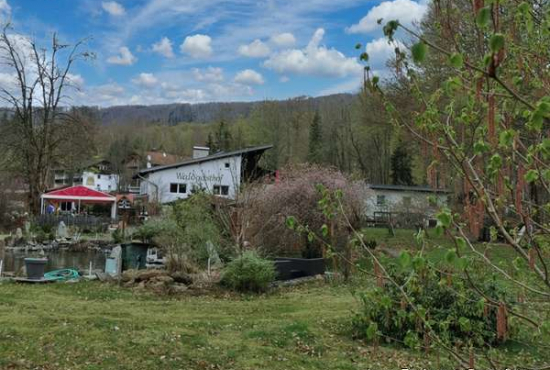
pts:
[126, 58]
[113, 8]
[406, 11]
[164, 47]
[146, 80]
[197, 46]
[315, 60]
[256, 49]
[350, 86]
[75, 80]
[5, 10]
[284, 79]
[249, 77]
[187, 95]
[8, 81]
[103, 95]
[210, 74]
[284, 40]
[379, 51]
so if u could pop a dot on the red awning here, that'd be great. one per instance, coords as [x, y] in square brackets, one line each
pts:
[80, 193]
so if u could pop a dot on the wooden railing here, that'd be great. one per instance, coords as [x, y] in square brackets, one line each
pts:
[74, 220]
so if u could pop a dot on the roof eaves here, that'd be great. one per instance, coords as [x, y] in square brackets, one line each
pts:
[206, 159]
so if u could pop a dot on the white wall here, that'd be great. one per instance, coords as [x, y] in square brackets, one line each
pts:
[203, 175]
[101, 182]
[395, 202]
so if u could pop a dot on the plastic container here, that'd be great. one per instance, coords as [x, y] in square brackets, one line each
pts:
[35, 267]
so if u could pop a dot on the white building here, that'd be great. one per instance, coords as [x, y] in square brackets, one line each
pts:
[219, 174]
[98, 176]
[403, 202]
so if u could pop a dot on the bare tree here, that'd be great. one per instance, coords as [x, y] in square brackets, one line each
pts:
[40, 124]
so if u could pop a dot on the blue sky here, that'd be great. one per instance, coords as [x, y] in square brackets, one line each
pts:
[164, 51]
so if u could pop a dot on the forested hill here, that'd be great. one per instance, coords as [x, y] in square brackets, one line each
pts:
[172, 114]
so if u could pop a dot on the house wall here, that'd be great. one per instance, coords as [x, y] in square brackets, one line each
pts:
[203, 175]
[101, 182]
[396, 201]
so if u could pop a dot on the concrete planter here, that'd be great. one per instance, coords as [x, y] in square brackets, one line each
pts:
[35, 267]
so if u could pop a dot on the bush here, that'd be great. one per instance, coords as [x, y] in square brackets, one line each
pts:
[455, 313]
[182, 232]
[297, 195]
[248, 273]
[155, 227]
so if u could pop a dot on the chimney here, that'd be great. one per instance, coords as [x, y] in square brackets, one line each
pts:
[149, 161]
[200, 152]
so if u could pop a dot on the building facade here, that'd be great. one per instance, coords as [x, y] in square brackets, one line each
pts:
[220, 174]
[408, 203]
[97, 176]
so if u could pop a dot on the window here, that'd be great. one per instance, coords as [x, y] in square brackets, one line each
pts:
[221, 190]
[380, 200]
[178, 188]
[66, 206]
[98, 177]
[407, 201]
[226, 164]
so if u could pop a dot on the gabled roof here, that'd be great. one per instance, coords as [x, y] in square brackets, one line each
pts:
[418, 189]
[79, 192]
[161, 158]
[213, 157]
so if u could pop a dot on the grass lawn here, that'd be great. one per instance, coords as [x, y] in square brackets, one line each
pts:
[91, 325]
[99, 326]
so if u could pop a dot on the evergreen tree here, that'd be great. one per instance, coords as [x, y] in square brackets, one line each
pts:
[222, 139]
[211, 144]
[315, 140]
[401, 166]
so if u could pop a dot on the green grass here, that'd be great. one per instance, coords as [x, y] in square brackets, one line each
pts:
[100, 326]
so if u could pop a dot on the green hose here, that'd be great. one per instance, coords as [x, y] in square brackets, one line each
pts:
[65, 274]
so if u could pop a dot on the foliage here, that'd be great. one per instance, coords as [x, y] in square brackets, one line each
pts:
[155, 227]
[297, 195]
[315, 140]
[197, 224]
[477, 74]
[248, 273]
[117, 236]
[221, 140]
[401, 166]
[39, 129]
[183, 230]
[444, 307]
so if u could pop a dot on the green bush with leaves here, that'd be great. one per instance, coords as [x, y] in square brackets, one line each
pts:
[437, 306]
[154, 228]
[248, 273]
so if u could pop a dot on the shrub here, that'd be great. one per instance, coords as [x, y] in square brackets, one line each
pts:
[455, 313]
[183, 231]
[117, 236]
[155, 227]
[297, 195]
[248, 273]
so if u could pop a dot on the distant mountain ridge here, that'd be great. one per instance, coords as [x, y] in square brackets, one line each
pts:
[172, 114]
